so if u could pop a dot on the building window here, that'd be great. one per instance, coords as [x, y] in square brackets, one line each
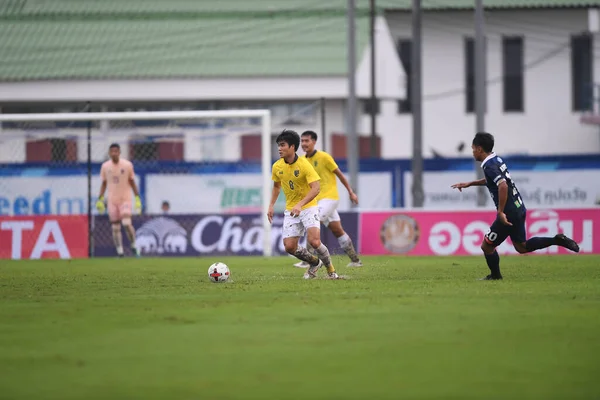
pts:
[405, 54]
[513, 68]
[470, 74]
[143, 149]
[581, 72]
[57, 150]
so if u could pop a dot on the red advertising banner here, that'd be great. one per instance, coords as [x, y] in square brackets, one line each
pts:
[44, 237]
[461, 232]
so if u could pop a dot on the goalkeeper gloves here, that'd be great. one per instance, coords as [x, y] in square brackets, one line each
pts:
[100, 205]
[138, 204]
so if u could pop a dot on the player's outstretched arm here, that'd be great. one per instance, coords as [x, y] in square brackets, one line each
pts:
[103, 185]
[464, 185]
[342, 178]
[102, 189]
[274, 196]
[134, 187]
[100, 203]
[502, 199]
[315, 188]
[138, 201]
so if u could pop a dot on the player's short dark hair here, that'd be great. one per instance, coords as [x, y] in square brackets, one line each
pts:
[290, 137]
[485, 141]
[114, 146]
[312, 134]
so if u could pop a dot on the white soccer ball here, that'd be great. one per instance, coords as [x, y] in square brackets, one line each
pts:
[218, 272]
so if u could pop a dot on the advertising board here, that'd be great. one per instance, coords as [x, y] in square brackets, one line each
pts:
[188, 235]
[34, 237]
[461, 232]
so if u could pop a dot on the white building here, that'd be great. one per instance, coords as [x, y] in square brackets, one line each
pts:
[249, 54]
[537, 61]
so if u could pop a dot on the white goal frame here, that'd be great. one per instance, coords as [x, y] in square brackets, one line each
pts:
[265, 116]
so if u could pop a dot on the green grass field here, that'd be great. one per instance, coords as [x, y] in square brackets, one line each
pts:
[399, 328]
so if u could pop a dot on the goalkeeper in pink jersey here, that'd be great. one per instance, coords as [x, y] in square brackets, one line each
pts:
[118, 176]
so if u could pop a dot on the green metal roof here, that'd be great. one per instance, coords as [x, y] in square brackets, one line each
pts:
[31, 7]
[128, 39]
[498, 4]
[147, 7]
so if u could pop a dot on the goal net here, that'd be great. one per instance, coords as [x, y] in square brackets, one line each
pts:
[204, 179]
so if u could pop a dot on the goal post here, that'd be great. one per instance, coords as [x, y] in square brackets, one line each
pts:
[115, 117]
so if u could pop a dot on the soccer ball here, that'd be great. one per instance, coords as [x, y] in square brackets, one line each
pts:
[218, 272]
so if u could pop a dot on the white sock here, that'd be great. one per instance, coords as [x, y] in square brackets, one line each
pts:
[130, 234]
[117, 238]
[346, 244]
[324, 256]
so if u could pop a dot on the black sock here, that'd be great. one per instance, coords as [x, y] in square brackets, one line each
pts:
[536, 243]
[493, 262]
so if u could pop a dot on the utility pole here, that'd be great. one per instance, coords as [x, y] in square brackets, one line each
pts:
[374, 106]
[351, 138]
[480, 88]
[417, 111]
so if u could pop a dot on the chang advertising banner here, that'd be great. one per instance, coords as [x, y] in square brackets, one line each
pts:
[43, 237]
[204, 235]
[461, 232]
[539, 189]
[242, 193]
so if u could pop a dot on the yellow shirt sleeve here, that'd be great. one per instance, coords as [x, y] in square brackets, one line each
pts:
[274, 176]
[311, 174]
[331, 164]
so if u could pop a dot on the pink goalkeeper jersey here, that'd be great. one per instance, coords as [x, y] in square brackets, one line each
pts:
[117, 177]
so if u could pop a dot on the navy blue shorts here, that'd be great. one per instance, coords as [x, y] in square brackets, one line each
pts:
[499, 232]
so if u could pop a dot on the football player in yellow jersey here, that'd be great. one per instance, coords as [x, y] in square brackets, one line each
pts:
[301, 186]
[328, 198]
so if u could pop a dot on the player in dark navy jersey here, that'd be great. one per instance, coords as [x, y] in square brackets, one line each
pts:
[510, 219]
[495, 172]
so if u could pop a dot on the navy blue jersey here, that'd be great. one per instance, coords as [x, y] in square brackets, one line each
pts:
[495, 171]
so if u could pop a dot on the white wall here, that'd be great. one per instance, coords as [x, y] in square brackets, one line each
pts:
[547, 126]
[280, 88]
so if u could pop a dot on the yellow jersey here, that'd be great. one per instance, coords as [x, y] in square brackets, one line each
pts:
[324, 164]
[295, 179]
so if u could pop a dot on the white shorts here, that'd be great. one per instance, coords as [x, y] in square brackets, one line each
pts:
[328, 211]
[297, 226]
